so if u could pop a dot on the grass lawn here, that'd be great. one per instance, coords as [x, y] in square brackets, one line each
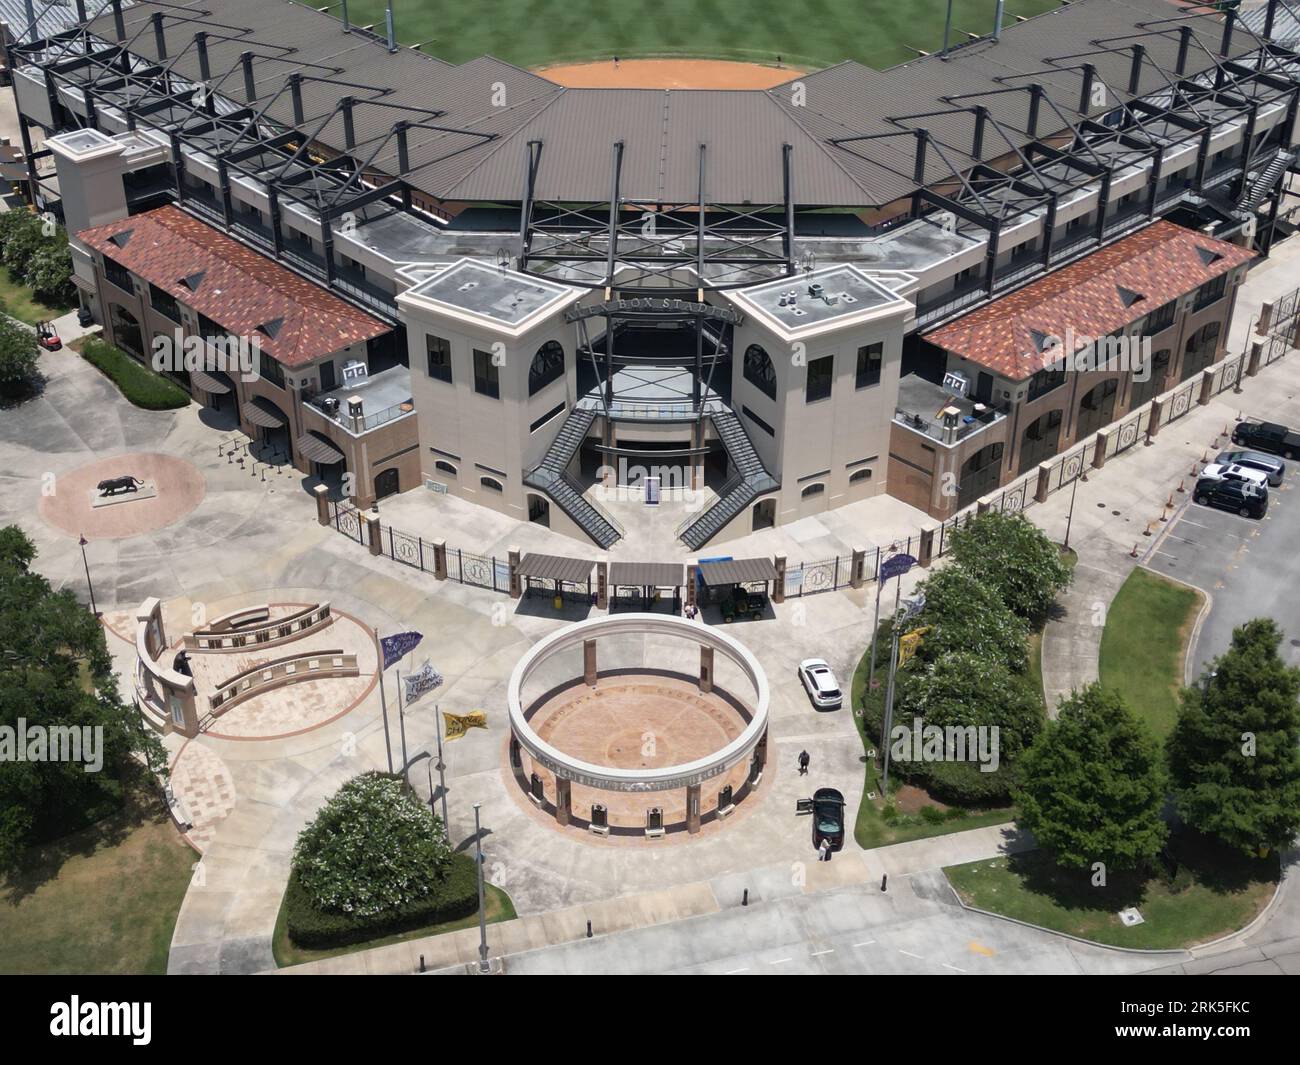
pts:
[806, 33]
[17, 301]
[102, 900]
[1144, 645]
[499, 908]
[1217, 892]
[138, 383]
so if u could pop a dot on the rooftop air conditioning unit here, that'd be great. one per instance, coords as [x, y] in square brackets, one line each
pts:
[331, 404]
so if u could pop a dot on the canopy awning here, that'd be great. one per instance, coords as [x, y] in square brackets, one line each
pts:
[556, 568]
[210, 383]
[262, 412]
[737, 571]
[646, 574]
[317, 449]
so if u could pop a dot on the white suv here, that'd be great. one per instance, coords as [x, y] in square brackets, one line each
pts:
[820, 684]
[1233, 472]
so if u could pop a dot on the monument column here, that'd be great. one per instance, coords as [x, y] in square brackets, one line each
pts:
[692, 808]
[589, 662]
[706, 669]
[563, 800]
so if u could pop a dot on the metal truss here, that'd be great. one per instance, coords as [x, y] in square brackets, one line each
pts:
[657, 247]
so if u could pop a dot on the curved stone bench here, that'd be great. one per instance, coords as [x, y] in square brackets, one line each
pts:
[164, 696]
[240, 619]
[221, 637]
[257, 680]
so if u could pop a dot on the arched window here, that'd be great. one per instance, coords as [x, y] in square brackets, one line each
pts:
[446, 467]
[1201, 348]
[548, 366]
[858, 476]
[1155, 374]
[813, 490]
[491, 483]
[759, 370]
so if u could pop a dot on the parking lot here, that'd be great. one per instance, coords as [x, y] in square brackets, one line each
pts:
[1249, 568]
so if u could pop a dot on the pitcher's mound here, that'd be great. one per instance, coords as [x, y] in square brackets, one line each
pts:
[669, 74]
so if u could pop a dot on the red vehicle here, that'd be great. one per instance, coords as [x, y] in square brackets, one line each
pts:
[47, 338]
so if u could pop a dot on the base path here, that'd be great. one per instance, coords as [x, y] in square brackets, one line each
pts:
[669, 74]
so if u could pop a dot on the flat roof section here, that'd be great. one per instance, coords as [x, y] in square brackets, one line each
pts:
[646, 574]
[737, 571]
[505, 298]
[824, 298]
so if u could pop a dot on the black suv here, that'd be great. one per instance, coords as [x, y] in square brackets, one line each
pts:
[828, 818]
[1248, 500]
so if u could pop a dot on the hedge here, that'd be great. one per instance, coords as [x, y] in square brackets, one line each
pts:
[315, 929]
[140, 385]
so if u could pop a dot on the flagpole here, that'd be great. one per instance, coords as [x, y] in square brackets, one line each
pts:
[889, 705]
[483, 965]
[401, 721]
[875, 628]
[442, 777]
[383, 702]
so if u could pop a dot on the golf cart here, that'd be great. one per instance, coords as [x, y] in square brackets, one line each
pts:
[47, 338]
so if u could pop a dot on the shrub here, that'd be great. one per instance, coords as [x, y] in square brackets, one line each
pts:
[1015, 558]
[932, 815]
[964, 614]
[19, 376]
[140, 385]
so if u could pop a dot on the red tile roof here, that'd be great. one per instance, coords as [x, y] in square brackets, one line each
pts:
[234, 286]
[1094, 297]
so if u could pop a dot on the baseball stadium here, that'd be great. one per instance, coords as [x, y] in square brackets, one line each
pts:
[786, 257]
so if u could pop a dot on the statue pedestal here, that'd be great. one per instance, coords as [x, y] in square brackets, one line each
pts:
[146, 491]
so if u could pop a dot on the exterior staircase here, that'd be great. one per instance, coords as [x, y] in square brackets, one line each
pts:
[750, 481]
[1258, 189]
[552, 477]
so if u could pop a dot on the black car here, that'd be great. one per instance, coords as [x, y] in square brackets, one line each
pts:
[1267, 436]
[828, 818]
[1248, 500]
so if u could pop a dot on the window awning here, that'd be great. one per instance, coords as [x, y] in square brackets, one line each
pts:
[737, 571]
[210, 383]
[317, 449]
[262, 412]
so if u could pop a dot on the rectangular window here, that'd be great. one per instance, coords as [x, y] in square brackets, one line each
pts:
[439, 358]
[164, 303]
[327, 378]
[1161, 318]
[1210, 292]
[870, 359]
[271, 370]
[557, 409]
[758, 421]
[119, 275]
[487, 375]
[1044, 381]
[821, 375]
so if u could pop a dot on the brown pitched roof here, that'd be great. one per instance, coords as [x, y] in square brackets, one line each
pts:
[1093, 297]
[245, 293]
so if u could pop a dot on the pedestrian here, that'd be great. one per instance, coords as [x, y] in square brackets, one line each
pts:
[803, 763]
[824, 850]
[616, 62]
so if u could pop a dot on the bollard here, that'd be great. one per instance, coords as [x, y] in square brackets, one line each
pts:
[1181, 487]
[744, 901]
[884, 881]
[588, 929]
[1134, 552]
[421, 963]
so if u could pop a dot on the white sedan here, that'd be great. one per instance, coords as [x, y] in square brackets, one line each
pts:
[820, 683]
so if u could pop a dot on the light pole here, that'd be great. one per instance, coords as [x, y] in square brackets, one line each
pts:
[1069, 518]
[483, 965]
[442, 773]
[81, 542]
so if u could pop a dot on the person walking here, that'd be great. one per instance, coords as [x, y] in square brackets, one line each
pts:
[824, 850]
[803, 763]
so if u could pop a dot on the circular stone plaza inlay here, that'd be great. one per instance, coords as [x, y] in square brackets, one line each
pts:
[638, 725]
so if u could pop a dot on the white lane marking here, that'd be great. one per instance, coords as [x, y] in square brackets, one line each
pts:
[733, 972]
[864, 943]
[780, 961]
[819, 953]
[911, 955]
[953, 968]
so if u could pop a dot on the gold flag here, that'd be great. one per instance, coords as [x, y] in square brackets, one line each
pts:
[459, 724]
[908, 643]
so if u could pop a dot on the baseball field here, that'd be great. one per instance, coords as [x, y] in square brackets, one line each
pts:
[805, 34]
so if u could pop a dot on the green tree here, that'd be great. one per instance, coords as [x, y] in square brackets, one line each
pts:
[1233, 754]
[23, 237]
[1015, 558]
[49, 274]
[19, 375]
[55, 670]
[1092, 786]
[373, 848]
[964, 614]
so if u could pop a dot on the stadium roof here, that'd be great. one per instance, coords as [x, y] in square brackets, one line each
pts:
[473, 147]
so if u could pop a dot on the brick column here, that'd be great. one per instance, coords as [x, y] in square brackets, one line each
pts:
[1265, 318]
[857, 575]
[563, 801]
[589, 662]
[692, 808]
[1255, 358]
[1207, 387]
[439, 559]
[602, 585]
[322, 494]
[692, 568]
[778, 585]
[984, 505]
[375, 537]
[1099, 452]
[1044, 486]
[516, 582]
[925, 545]
[1153, 426]
[706, 669]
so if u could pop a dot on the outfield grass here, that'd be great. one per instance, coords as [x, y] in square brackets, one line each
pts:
[17, 301]
[140, 385]
[499, 908]
[1217, 892]
[1144, 645]
[805, 33]
[102, 900]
